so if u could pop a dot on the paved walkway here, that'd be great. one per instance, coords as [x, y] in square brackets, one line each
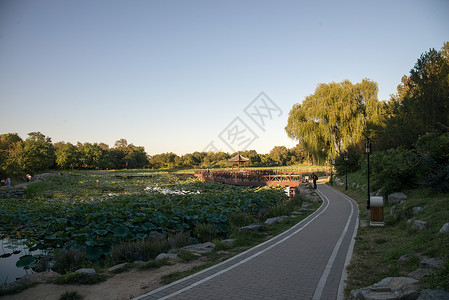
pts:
[306, 262]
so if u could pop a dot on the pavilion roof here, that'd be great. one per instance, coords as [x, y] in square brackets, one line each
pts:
[238, 158]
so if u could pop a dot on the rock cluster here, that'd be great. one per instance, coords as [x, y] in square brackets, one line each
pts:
[404, 287]
[389, 288]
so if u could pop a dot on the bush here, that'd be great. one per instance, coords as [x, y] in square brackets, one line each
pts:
[144, 250]
[72, 295]
[205, 232]
[394, 170]
[432, 148]
[69, 260]
[240, 219]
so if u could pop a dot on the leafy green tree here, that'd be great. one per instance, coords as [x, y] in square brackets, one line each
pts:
[135, 157]
[36, 153]
[334, 117]
[9, 143]
[67, 156]
[298, 154]
[421, 104]
[280, 155]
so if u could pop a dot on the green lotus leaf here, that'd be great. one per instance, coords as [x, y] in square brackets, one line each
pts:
[93, 252]
[25, 261]
[140, 236]
[148, 226]
[101, 231]
[222, 228]
[101, 220]
[120, 231]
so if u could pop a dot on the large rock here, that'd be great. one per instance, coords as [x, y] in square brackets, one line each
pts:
[388, 288]
[252, 227]
[427, 266]
[162, 256]
[445, 228]
[420, 225]
[432, 263]
[420, 272]
[417, 210]
[200, 248]
[116, 267]
[86, 271]
[396, 197]
[433, 295]
[271, 221]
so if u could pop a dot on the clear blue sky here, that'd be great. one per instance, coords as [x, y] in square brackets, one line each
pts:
[175, 75]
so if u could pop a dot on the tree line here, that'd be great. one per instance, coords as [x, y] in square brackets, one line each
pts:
[38, 153]
[409, 132]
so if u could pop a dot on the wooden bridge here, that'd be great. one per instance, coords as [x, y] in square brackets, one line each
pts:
[289, 178]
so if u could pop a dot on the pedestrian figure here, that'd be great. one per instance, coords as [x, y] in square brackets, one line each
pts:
[28, 177]
[314, 178]
[8, 181]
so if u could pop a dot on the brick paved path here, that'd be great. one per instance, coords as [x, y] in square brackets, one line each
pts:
[305, 262]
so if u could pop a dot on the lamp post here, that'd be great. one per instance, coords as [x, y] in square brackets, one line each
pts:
[346, 157]
[368, 152]
[331, 162]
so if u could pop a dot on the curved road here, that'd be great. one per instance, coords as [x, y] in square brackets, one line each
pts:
[306, 262]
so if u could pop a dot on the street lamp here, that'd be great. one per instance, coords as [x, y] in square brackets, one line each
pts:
[332, 163]
[346, 157]
[368, 152]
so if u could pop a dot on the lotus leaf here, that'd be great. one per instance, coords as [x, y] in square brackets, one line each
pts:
[25, 261]
[101, 231]
[120, 231]
[93, 252]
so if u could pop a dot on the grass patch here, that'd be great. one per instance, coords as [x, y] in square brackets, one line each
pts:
[155, 264]
[70, 295]
[377, 249]
[186, 255]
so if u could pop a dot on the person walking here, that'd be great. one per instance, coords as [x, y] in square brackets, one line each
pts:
[314, 179]
[8, 181]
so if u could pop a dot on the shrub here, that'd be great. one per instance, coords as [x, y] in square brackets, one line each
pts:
[154, 264]
[240, 219]
[69, 260]
[186, 255]
[179, 240]
[70, 295]
[144, 249]
[205, 232]
[394, 170]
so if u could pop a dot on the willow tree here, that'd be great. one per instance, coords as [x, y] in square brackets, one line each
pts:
[334, 117]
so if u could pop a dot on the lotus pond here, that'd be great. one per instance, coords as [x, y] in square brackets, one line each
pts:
[94, 211]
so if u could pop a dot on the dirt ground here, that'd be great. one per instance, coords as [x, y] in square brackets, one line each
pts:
[126, 285]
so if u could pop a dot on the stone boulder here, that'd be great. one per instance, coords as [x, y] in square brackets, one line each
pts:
[427, 266]
[433, 295]
[271, 221]
[417, 210]
[388, 288]
[252, 227]
[432, 263]
[396, 197]
[162, 256]
[228, 241]
[420, 225]
[200, 248]
[338, 181]
[445, 228]
[86, 271]
[116, 267]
